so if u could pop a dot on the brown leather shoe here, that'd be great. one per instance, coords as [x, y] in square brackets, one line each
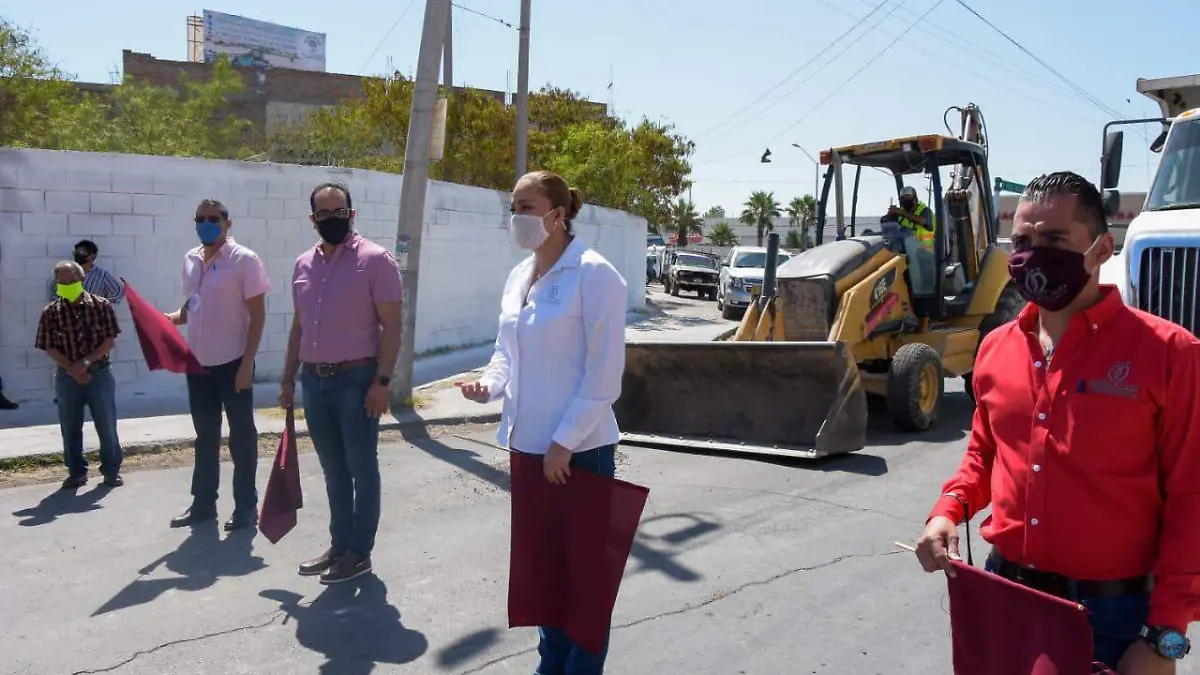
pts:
[312, 568]
[347, 567]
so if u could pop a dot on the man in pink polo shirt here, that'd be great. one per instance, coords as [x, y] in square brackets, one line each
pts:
[344, 341]
[226, 285]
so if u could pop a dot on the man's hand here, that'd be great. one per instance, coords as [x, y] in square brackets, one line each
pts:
[894, 210]
[377, 400]
[245, 376]
[1140, 659]
[938, 545]
[557, 465]
[287, 394]
[83, 378]
[474, 391]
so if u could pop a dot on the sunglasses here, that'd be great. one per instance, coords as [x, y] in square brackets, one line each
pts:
[209, 219]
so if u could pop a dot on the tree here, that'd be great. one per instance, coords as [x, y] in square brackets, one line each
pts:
[802, 213]
[793, 240]
[685, 221]
[760, 212]
[34, 93]
[722, 234]
[593, 156]
[715, 212]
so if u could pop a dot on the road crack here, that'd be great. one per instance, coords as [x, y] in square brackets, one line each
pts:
[716, 597]
[173, 643]
[789, 495]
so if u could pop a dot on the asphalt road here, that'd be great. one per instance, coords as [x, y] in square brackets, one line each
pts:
[742, 566]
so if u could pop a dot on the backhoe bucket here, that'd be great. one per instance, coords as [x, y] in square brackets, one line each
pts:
[797, 399]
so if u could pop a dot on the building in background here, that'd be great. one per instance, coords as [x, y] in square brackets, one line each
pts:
[1131, 205]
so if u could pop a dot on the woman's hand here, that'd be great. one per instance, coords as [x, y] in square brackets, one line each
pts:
[557, 464]
[474, 391]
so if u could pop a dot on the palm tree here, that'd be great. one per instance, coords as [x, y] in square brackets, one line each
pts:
[802, 212]
[722, 234]
[760, 213]
[685, 221]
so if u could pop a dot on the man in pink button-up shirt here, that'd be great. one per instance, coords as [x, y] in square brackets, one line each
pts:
[344, 341]
[225, 286]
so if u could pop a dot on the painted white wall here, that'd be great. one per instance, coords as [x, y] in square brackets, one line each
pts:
[139, 211]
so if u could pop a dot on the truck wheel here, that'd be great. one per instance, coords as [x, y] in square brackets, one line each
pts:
[712, 294]
[1008, 306]
[729, 313]
[675, 290]
[914, 387]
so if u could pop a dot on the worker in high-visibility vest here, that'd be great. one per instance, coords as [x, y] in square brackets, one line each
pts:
[915, 216]
[920, 222]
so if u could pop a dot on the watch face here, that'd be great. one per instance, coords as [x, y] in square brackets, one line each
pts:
[1172, 644]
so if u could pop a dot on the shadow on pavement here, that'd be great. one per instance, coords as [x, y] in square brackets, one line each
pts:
[353, 625]
[468, 647]
[62, 503]
[647, 556]
[201, 559]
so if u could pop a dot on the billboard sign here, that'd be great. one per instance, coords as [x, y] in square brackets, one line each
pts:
[258, 44]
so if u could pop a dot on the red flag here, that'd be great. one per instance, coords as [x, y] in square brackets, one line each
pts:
[162, 345]
[999, 627]
[284, 496]
[569, 548]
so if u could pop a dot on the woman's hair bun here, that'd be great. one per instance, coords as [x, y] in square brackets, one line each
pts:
[576, 202]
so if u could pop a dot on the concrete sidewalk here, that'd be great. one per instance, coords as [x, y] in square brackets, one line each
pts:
[439, 402]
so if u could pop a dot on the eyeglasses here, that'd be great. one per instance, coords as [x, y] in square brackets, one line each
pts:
[209, 219]
[335, 213]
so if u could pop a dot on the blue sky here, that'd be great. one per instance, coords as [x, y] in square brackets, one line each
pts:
[696, 63]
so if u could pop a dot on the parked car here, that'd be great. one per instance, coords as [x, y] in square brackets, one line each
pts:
[692, 272]
[741, 278]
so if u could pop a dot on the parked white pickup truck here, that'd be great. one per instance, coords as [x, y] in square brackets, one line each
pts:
[1158, 270]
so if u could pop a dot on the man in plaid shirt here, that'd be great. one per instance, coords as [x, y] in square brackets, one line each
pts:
[77, 331]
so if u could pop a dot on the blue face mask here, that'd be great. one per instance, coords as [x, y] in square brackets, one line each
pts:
[208, 231]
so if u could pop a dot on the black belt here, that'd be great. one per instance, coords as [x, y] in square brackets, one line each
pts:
[1060, 586]
[331, 369]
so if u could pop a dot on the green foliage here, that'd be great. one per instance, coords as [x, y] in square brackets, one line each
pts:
[715, 212]
[685, 221]
[801, 213]
[793, 240]
[722, 234]
[760, 211]
[33, 91]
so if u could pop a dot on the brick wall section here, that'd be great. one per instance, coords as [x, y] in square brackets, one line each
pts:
[138, 210]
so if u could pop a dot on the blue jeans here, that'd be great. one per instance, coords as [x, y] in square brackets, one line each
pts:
[346, 439]
[99, 396]
[208, 394]
[559, 654]
[1116, 621]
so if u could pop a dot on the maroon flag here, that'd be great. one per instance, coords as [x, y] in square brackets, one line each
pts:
[162, 345]
[569, 548]
[284, 496]
[999, 627]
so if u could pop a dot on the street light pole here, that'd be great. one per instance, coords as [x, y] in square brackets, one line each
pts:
[412, 191]
[816, 170]
[523, 92]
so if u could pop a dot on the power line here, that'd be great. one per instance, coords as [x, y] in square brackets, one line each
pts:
[387, 35]
[486, 16]
[1091, 99]
[849, 45]
[795, 72]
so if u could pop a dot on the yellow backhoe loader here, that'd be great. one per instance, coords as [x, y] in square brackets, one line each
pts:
[842, 320]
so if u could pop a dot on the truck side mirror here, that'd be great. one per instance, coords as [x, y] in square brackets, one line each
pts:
[1157, 146]
[1112, 202]
[1110, 162]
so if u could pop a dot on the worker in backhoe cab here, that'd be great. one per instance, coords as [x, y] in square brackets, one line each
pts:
[919, 220]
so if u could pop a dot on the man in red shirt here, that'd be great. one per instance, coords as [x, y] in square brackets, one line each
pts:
[1085, 442]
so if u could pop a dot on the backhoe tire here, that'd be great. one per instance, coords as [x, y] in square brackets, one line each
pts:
[1008, 306]
[915, 386]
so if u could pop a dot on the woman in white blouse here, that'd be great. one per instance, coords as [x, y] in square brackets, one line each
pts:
[560, 354]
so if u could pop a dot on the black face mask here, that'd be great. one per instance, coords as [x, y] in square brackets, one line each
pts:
[82, 258]
[907, 205]
[334, 230]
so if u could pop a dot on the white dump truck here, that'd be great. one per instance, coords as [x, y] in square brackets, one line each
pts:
[1158, 270]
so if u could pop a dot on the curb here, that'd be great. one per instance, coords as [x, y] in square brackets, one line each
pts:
[42, 459]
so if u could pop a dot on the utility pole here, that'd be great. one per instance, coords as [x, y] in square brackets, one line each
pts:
[523, 92]
[412, 191]
[448, 55]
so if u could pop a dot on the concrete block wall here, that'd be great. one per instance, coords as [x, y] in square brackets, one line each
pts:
[139, 211]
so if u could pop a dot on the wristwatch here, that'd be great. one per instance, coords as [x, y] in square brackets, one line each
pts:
[87, 363]
[383, 380]
[1166, 642]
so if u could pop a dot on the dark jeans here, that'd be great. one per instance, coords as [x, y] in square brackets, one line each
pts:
[559, 654]
[100, 397]
[346, 439]
[1116, 622]
[207, 395]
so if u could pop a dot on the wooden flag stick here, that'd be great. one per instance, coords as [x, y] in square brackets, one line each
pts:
[904, 546]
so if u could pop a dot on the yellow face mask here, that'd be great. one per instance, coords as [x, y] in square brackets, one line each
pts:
[69, 292]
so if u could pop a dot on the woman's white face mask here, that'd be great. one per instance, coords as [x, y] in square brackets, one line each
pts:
[528, 232]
